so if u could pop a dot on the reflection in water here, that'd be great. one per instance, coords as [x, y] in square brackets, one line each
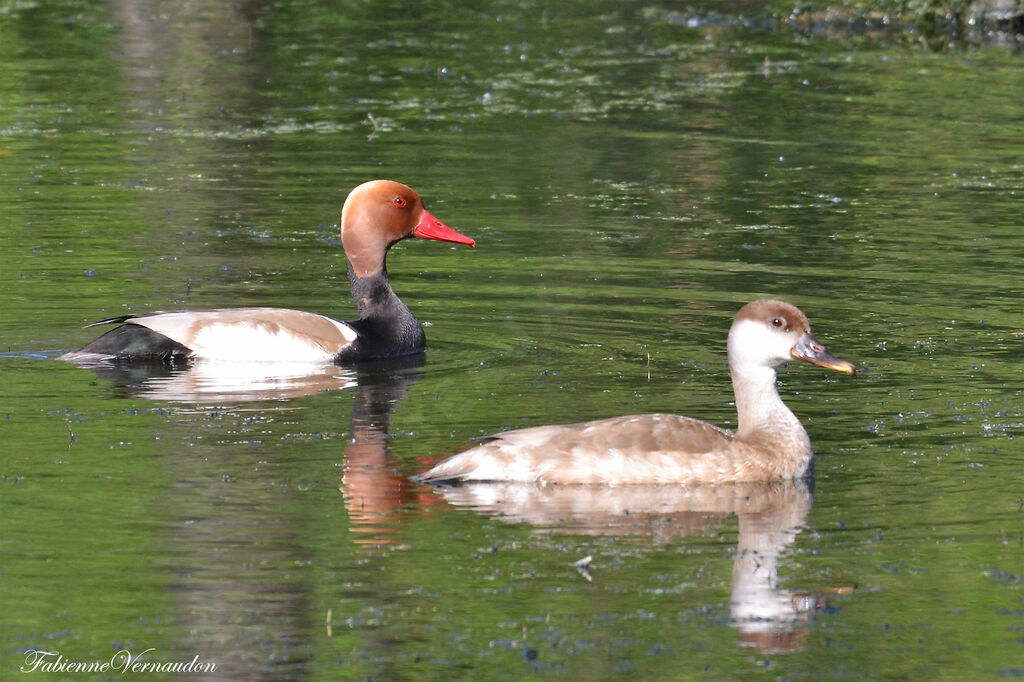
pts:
[372, 489]
[255, 622]
[770, 516]
[202, 382]
[262, 617]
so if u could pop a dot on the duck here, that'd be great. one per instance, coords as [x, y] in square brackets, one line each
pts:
[768, 444]
[375, 216]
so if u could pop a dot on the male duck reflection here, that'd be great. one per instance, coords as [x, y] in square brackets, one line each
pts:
[376, 214]
[769, 443]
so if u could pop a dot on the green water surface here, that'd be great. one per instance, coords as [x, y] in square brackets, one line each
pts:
[632, 174]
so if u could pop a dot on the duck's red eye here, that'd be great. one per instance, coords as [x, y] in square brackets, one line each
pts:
[399, 201]
[777, 322]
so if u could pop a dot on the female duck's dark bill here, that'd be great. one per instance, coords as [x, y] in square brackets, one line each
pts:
[430, 227]
[813, 351]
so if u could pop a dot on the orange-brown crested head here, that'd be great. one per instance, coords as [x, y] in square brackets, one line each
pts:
[379, 213]
[769, 332]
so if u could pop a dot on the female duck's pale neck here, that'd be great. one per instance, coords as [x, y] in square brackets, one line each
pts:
[764, 335]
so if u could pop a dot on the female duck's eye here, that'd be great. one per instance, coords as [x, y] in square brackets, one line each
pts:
[777, 322]
[399, 202]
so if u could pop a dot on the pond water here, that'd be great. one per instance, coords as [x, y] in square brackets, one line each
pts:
[632, 176]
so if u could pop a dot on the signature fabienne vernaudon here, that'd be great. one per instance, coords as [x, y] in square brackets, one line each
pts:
[124, 661]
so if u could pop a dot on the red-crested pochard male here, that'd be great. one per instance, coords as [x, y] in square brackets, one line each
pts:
[769, 443]
[376, 214]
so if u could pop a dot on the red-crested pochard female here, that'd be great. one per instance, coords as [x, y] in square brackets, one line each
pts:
[376, 214]
[769, 443]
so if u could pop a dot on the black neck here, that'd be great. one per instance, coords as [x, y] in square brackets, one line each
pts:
[386, 327]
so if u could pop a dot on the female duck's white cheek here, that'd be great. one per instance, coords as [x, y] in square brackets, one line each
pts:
[754, 342]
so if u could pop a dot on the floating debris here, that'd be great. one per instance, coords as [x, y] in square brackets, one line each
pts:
[583, 566]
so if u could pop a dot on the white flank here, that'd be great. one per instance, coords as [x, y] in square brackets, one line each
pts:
[348, 332]
[247, 342]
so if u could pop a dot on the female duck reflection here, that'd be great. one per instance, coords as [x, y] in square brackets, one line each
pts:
[770, 516]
